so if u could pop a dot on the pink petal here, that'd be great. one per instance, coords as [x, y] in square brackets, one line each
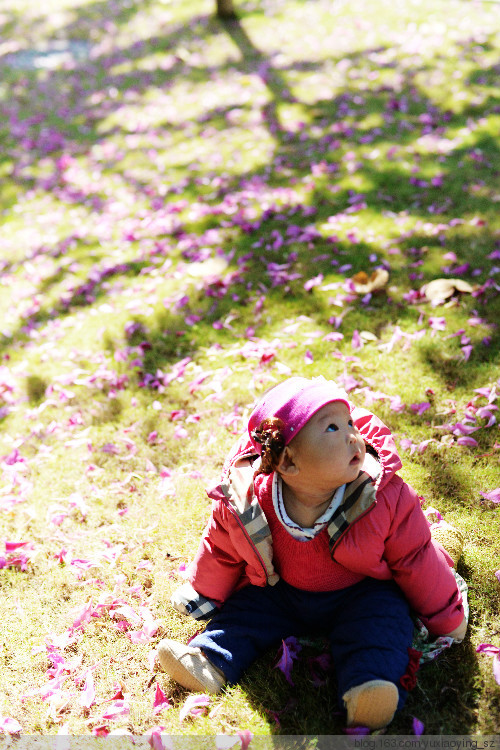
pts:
[83, 615]
[319, 667]
[467, 350]
[161, 701]
[437, 324]
[159, 741]
[180, 433]
[396, 404]
[420, 407]
[139, 636]
[194, 706]
[496, 668]
[9, 725]
[357, 731]
[246, 737]
[87, 698]
[356, 341]
[118, 708]
[408, 445]
[467, 441]
[487, 648]
[333, 337]
[493, 495]
[289, 650]
[11, 546]
[101, 731]
[418, 726]
[126, 611]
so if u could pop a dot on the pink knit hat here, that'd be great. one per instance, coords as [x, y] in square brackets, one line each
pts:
[295, 401]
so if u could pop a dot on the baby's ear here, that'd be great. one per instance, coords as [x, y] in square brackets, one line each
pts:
[286, 465]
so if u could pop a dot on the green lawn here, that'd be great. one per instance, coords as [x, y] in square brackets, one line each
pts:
[183, 207]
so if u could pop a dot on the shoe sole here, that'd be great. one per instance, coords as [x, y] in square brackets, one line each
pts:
[375, 706]
[170, 663]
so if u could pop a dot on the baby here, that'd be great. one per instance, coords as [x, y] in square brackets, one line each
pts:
[312, 531]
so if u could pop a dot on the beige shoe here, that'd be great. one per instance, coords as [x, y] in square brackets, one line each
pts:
[189, 667]
[372, 704]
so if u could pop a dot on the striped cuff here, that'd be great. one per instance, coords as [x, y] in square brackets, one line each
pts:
[188, 601]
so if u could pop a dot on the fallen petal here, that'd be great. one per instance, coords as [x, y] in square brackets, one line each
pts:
[9, 725]
[467, 441]
[161, 701]
[87, 697]
[487, 648]
[493, 495]
[194, 706]
[119, 708]
[357, 731]
[496, 668]
[418, 726]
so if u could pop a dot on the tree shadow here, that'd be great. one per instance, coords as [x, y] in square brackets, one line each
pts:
[262, 256]
[261, 253]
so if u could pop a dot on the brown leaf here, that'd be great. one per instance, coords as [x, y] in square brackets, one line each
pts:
[363, 284]
[441, 289]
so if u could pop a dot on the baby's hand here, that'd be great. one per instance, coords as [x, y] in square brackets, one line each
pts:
[459, 633]
[182, 596]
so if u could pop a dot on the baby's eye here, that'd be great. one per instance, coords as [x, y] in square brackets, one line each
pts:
[332, 428]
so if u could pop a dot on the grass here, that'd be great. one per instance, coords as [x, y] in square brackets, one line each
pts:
[151, 177]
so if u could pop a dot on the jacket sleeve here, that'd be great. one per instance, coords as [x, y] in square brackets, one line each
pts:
[421, 567]
[216, 570]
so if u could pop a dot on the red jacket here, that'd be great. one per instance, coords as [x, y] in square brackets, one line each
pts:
[380, 532]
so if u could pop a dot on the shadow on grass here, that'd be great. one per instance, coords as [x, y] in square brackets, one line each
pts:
[444, 698]
[314, 156]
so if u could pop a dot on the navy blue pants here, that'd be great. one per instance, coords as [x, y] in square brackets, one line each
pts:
[368, 624]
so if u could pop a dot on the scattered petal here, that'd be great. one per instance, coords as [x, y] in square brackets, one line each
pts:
[496, 668]
[357, 731]
[493, 495]
[421, 407]
[9, 725]
[246, 737]
[469, 441]
[161, 701]
[487, 648]
[158, 740]
[87, 697]
[195, 705]
[417, 726]
[118, 708]
[290, 647]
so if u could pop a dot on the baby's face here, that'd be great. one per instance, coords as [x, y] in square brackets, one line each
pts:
[329, 449]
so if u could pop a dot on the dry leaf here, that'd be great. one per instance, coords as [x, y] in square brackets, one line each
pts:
[364, 284]
[441, 289]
